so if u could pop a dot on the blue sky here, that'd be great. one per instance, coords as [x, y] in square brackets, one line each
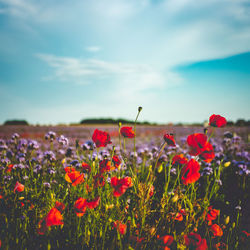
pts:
[181, 60]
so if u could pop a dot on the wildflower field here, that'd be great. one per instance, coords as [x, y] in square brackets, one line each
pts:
[126, 188]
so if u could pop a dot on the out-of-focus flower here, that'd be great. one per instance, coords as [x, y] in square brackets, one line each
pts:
[216, 230]
[127, 132]
[74, 177]
[217, 121]
[86, 166]
[19, 187]
[51, 136]
[120, 185]
[121, 228]
[179, 160]
[212, 213]
[32, 145]
[93, 203]
[80, 206]
[190, 172]
[116, 160]
[63, 140]
[169, 139]
[101, 138]
[194, 240]
[46, 185]
[165, 241]
[200, 146]
[105, 166]
[54, 218]
[49, 155]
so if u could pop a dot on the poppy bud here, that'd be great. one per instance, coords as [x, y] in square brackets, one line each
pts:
[139, 109]
[227, 219]
[175, 198]
[233, 225]
[160, 168]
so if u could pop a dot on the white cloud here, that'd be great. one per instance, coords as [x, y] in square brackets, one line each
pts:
[131, 77]
[93, 48]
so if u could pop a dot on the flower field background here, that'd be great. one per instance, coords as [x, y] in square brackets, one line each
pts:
[122, 187]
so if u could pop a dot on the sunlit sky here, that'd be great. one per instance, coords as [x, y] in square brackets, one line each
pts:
[181, 60]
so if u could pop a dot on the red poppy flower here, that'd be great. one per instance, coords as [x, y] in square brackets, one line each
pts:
[212, 214]
[101, 138]
[169, 139]
[220, 245]
[86, 166]
[203, 245]
[93, 204]
[216, 230]
[178, 217]
[80, 206]
[194, 240]
[116, 160]
[120, 227]
[179, 160]
[127, 132]
[74, 177]
[207, 154]
[197, 142]
[200, 146]
[18, 187]
[120, 185]
[105, 166]
[217, 121]
[60, 206]
[54, 217]
[190, 172]
[10, 166]
[99, 180]
[151, 192]
[166, 240]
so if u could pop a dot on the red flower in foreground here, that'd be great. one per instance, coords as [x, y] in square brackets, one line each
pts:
[116, 160]
[212, 214]
[93, 204]
[99, 180]
[217, 121]
[127, 132]
[190, 172]
[179, 160]
[166, 241]
[216, 230]
[197, 142]
[86, 166]
[18, 187]
[10, 166]
[101, 138]
[80, 206]
[200, 146]
[207, 154]
[194, 240]
[120, 185]
[121, 228]
[74, 177]
[169, 139]
[54, 217]
[105, 166]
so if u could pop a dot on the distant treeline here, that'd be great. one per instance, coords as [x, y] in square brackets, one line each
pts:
[238, 123]
[112, 121]
[16, 122]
